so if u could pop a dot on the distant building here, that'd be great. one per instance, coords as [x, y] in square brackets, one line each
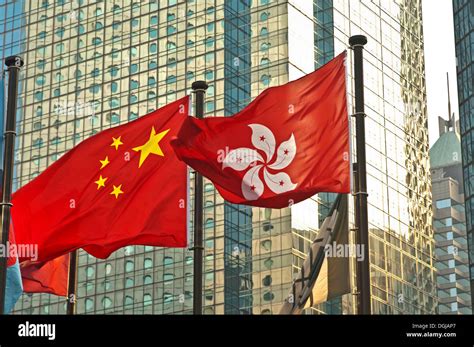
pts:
[449, 222]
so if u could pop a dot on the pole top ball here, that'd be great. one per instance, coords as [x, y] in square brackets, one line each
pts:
[357, 40]
[199, 85]
[14, 61]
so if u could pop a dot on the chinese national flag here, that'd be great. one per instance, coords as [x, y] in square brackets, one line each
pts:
[290, 143]
[123, 186]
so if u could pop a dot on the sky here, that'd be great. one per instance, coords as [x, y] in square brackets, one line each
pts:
[439, 58]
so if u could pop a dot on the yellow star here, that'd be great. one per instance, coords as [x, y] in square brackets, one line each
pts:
[104, 162]
[101, 182]
[117, 191]
[151, 146]
[116, 142]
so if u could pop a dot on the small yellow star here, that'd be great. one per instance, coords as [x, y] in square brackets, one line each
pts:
[117, 191]
[152, 146]
[116, 142]
[104, 162]
[101, 182]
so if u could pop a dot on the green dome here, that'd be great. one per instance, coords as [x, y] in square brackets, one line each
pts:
[446, 151]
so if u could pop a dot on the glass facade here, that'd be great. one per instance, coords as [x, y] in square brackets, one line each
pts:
[401, 235]
[91, 65]
[464, 40]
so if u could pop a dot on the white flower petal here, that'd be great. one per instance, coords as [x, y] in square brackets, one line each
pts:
[239, 159]
[285, 154]
[278, 183]
[252, 185]
[263, 139]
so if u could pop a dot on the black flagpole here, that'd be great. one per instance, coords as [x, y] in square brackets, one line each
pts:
[199, 88]
[72, 279]
[357, 43]
[14, 63]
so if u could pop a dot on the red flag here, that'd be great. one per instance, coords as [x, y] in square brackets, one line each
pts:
[46, 277]
[121, 187]
[290, 143]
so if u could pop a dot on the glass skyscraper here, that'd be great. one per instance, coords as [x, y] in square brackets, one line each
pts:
[91, 65]
[464, 40]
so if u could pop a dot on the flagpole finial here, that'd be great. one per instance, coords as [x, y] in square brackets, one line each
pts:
[357, 40]
[14, 61]
[199, 85]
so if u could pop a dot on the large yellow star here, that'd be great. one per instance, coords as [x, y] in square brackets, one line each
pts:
[116, 142]
[104, 162]
[101, 182]
[117, 191]
[151, 146]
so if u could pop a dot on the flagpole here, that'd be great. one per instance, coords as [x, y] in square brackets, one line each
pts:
[199, 88]
[72, 279]
[14, 63]
[357, 43]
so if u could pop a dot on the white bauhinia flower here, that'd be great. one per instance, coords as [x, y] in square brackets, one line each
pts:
[243, 158]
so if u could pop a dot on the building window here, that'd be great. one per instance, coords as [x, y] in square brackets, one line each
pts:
[129, 282]
[268, 263]
[133, 84]
[266, 245]
[147, 279]
[264, 16]
[106, 302]
[264, 62]
[41, 64]
[148, 263]
[128, 300]
[209, 75]
[443, 203]
[39, 96]
[265, 79]
[265, 46]
[89, 304]
[132, 116]
[269, 296]
[147, 300]
[95, 72]
[171, 79]
[90, 271]
[113, 87]
[129, 265]
[167, 261]
[209, 224]
[168, 278]
[267, 280]
[167, 298]
[40, 80]
[38, 143]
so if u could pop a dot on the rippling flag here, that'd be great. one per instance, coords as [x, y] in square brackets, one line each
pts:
[123, 186]
[290, 143]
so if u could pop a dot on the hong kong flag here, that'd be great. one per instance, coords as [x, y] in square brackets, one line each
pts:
[290, 143]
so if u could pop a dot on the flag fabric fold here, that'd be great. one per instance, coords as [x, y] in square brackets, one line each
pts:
[49, 277]
[122, 186]
[323, 278]
[288, 144]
